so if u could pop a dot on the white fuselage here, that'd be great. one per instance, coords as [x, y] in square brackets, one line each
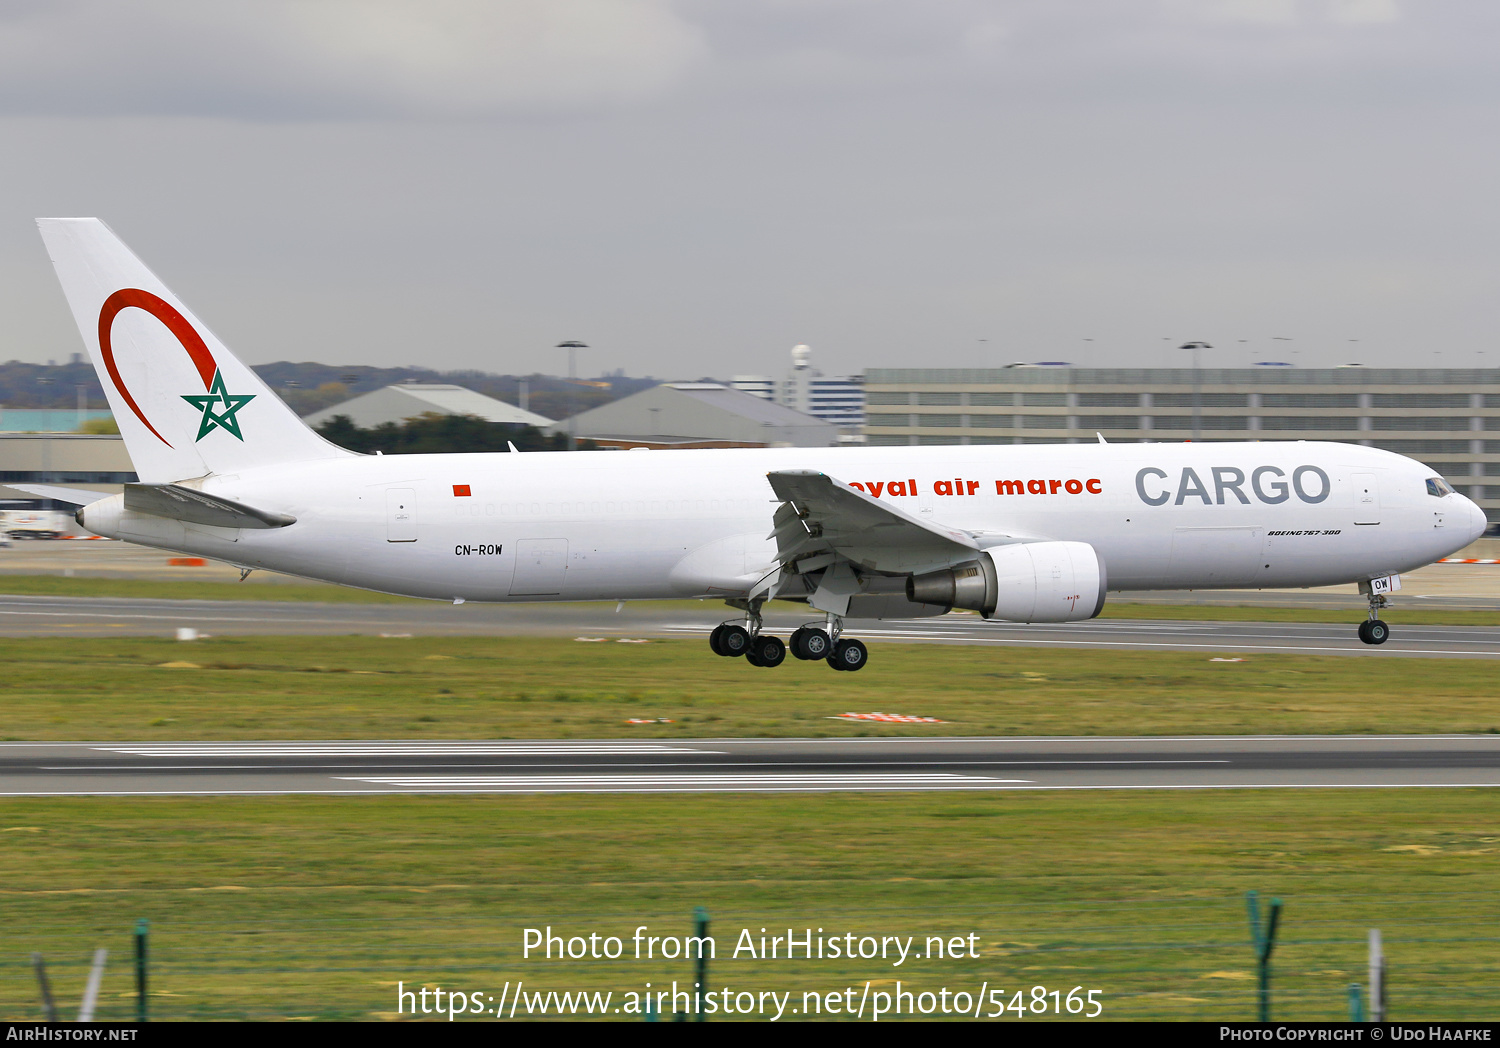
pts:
[617, 525]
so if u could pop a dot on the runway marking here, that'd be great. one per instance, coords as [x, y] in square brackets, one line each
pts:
[1234, 628]
[672, 746]
[397, 749]
[197, 617]
[1217, 644]
[594, 764]
[979, 784]
[901, 740]
[809, 781]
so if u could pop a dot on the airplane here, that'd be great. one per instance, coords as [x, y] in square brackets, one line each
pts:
[1027, 533]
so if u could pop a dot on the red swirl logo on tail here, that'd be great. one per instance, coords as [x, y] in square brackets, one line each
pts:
[176, 323]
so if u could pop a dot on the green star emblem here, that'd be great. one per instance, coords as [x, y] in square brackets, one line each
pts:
[207, 402]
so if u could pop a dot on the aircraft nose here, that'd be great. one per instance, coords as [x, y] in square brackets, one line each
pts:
[1477, 521]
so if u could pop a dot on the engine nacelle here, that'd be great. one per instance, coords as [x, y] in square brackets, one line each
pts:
[1024, 582]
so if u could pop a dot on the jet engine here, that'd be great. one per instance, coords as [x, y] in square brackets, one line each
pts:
[1024, 582]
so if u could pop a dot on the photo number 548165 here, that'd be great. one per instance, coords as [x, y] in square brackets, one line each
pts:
[1042, 1001]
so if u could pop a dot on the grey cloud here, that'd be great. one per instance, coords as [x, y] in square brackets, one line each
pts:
[384, 59]
[446, 58]
[337, 58]
[888, 180]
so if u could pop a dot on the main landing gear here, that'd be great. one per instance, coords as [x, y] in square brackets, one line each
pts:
[1372, 630]
[808, 643]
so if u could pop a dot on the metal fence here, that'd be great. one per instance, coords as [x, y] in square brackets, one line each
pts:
[1149, 958]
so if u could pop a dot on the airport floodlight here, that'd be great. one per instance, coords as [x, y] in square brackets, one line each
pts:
[572, 347]
[1197, 385]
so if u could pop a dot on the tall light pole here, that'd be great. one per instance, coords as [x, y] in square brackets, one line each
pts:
[572, 348]
[1197, 386]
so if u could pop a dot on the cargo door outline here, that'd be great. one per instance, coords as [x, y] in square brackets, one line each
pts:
[540, 568]
[400, 515]
[1224, 556]
[1366, 498]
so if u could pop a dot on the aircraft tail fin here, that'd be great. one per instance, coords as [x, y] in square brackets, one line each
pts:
[185, 405]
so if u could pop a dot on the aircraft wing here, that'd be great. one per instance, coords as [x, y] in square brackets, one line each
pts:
[822, 515]
[179, 503]
[77, 496]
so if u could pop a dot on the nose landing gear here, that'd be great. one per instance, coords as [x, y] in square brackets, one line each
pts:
[1372, 630]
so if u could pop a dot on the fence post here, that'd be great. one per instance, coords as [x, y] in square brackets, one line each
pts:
[91, 989]
[700, 929]
[1356, 1004]
[49, 1008]
[140, 970]
[1377, 977]
[1264, 942]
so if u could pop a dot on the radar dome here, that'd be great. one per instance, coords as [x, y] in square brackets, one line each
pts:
[801, 356]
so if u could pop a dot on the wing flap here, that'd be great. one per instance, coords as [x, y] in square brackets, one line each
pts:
[820, 513]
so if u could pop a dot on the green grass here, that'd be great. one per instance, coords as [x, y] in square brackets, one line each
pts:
[474, 687]
[252, 588]
[256, 588]
[315, 907]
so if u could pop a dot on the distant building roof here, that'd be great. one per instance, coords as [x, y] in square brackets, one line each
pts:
[680, 412]
[745, 405]
[397, 403]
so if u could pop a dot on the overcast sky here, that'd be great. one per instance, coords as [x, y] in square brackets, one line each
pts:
[694, 186]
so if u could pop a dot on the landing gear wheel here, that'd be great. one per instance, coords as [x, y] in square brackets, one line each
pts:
[714, 638]
[766, 650]
[735, 640]
[1373, 631]
[809, 643]
[848, 654]
[794, 642]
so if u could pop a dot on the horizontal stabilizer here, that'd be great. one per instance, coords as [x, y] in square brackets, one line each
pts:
[77, 496]
[179, 503]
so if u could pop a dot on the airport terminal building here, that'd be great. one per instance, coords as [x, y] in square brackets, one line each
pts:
[840, 401]
[1447, 418]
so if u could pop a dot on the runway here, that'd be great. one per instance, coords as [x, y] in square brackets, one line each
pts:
[1469, 586]
[114, 617]
[746, 765]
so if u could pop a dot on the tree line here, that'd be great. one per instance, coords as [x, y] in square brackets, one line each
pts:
[435, 434]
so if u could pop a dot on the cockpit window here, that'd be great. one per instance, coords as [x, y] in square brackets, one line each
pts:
[1438, 486]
